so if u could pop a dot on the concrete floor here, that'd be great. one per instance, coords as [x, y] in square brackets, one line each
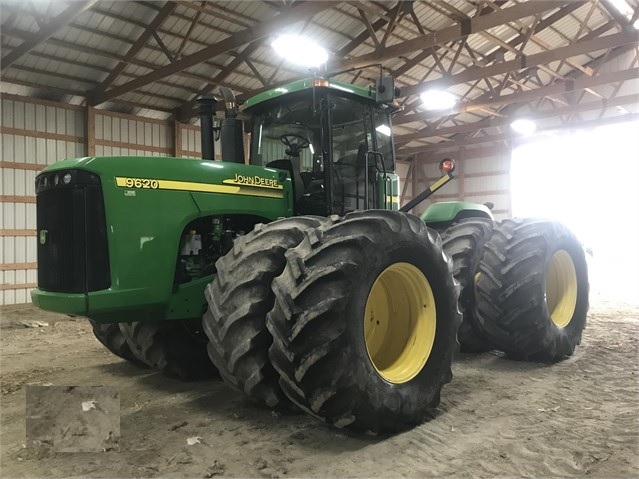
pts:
[497, 418]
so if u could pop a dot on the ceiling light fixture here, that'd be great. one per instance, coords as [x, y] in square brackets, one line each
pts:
[523, 126]
[300, 50]
[438, 99]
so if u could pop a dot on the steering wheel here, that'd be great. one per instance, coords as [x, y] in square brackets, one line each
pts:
[294, 148]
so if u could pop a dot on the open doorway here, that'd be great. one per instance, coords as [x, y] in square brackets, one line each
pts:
[588, 180]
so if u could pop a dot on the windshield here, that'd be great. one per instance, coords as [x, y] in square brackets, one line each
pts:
[356, 129]
[287, 122]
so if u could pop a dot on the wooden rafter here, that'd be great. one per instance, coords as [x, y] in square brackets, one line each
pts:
[508, 136]
[470, 74]
[294, 14]
[395, 18]
[556, 88]
[189, 32]
[372, 32]
[363, 36]
[448, 34]
[47, 31]
[515, 42]
[162, 15]
[220, 77]
[505, 121]
[107, 54]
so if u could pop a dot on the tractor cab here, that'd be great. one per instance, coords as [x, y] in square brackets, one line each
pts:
[335, 141]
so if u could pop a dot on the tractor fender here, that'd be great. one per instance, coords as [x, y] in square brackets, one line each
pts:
[443, 213]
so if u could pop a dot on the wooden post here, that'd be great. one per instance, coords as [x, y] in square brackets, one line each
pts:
[90, 133]
[177, 139]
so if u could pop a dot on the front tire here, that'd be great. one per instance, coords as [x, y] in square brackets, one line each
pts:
[239, 299]
[111, 337]
[177, 348]
[364, 322]
[533, 290]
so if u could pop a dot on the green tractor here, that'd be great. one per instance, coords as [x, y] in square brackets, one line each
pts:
[298, 278]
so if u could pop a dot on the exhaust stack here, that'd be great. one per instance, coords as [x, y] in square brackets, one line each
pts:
[232, 130]
[206, 109]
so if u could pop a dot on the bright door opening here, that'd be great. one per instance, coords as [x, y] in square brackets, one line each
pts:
[589, 180]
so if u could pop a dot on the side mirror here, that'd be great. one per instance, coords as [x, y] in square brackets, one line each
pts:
[385, 90]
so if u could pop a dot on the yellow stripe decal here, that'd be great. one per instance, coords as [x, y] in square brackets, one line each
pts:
[244, 190]
[439, 183]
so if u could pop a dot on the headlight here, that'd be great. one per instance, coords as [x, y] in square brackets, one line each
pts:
[66, 179]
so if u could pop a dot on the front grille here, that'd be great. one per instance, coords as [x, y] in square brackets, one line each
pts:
[73, 254]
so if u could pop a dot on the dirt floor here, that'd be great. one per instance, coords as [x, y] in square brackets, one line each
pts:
[497, 418]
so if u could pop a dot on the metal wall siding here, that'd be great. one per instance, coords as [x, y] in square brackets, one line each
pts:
[18, 148]
[40, 145]
[486, 183]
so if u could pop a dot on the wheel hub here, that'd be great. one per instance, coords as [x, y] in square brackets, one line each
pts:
[561, 288]
[399, 322]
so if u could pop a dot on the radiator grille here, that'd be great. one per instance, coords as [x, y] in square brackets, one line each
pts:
[72, 242]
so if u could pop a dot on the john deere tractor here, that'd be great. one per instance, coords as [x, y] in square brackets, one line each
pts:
[298, 277]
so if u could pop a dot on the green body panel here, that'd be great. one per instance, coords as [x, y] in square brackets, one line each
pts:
[188, 301]
[449, 211]
[144, 227]
[307, 84]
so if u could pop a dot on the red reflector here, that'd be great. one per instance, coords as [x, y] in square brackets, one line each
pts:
[447, 165]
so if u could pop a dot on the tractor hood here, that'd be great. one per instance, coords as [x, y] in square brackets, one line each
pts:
[128, 215]
[179, 174]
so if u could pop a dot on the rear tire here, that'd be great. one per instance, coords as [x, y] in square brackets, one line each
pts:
[533, 290]
[111, 337]
[239, 299]
[177, 348]
[464, 242]
[345, 293]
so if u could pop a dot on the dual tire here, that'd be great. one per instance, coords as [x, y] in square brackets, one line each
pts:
[351, 319]
[524, 287]
[532, 293]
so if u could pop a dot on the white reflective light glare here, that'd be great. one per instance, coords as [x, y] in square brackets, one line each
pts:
[438, 99]
[56, 179]
[66, 179]
[300, 50]
[310, 147]
[525, 127]
[623, 7]
[384, 130]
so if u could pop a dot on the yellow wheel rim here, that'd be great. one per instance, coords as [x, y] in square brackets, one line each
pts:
[399, 322]
[561, 288]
